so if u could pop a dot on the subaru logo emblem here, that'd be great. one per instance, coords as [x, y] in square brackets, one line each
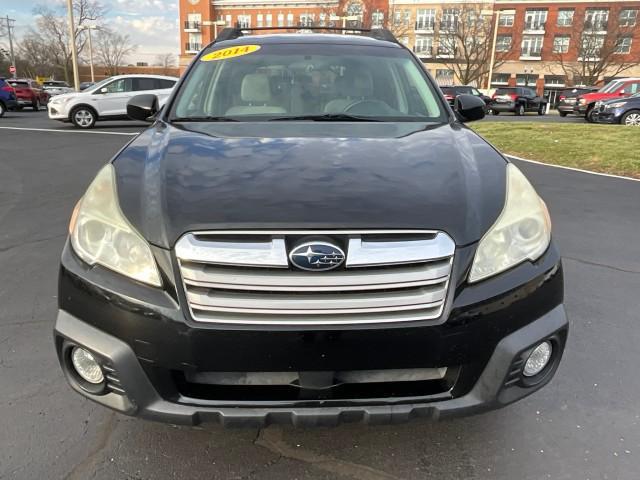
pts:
[317, 256]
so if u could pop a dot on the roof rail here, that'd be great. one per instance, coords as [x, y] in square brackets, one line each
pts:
[231, 33]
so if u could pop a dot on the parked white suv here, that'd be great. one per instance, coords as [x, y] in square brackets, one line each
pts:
[107, 100]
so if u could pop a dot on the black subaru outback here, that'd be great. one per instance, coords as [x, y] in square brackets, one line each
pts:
[307, 233]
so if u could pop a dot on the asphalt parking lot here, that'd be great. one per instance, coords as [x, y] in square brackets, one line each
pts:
[584, 425]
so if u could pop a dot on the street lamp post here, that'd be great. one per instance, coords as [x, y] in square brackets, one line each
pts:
[89, 28]
[74, 49]
[493, 48]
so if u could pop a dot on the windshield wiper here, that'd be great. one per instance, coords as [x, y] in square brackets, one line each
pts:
[327, 117]
[203, 119]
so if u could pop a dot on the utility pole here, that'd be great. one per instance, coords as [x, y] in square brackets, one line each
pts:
[9, 27]
[493, 47]
[74, 49]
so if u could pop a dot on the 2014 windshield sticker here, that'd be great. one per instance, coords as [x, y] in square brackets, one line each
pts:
[230, 52]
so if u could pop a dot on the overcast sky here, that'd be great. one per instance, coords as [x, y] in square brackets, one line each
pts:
[152, 24]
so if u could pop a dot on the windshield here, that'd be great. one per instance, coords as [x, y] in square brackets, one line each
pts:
[307, 82]
[611, 86]
[98, 85]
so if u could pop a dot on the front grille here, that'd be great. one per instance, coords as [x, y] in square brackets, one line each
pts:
[246, 278]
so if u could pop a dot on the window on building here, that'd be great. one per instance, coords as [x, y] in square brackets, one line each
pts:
[323, 19]
[425, 18]
[596, 19]
[449, 19]
[306, 19]
[500, 78]
[444, 76]
[289, 19]
[424, 45]
[377, 19]
[532, 46]
[591, 46]
[269, 20]
[194, 42]
[244, 21]
[561, 43]
[228, 20]
[554, 81]
[281, 19]
[534, 19]
[503, 43]
[506, 19]
[194, 20]
[447, 46]
[623, 44]
[565, 17]
[526, 79]
[260, 20]
[628, 17]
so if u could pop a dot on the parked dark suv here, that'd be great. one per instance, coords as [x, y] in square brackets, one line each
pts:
[451, 92]
[308, 234]
[517, 100]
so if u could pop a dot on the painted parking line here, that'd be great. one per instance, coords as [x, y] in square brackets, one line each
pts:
[620, 177]
[98, 132]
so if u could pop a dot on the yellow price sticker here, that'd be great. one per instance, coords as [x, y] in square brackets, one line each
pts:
[230, 53]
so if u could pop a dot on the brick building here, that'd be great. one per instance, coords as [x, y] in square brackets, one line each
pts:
[543, 44]
[201, 19]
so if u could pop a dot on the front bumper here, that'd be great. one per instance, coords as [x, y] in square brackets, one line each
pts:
[608, 116]
[57, 111]
[143, 337]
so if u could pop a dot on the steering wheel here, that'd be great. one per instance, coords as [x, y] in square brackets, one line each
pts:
[368, 107]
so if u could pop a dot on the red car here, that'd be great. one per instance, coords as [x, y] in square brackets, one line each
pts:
[29, 92]
[620, 88]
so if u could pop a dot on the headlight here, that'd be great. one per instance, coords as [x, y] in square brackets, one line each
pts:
[60, 101]
[615, 105]
[100, 233]
[582, 101]
[521, 232]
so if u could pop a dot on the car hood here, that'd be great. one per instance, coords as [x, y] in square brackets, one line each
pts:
[309, 175]
[62, 96]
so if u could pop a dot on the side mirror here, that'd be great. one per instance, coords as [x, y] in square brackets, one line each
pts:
[141, 107]
[103, 90]
[469, 108]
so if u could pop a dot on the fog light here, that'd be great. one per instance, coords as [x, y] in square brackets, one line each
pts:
[538, 359]
[86, 366]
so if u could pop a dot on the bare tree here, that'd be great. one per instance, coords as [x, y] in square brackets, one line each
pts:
[599, 50]
[165, 60]
[399, 21]
[51, 39]
[465, 43]
[112, 48]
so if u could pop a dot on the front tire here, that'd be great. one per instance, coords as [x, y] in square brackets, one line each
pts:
[630, 119]
[520, 110]
[495, 112]
[36, 105]
[83, 117]
[3, 109]
[589, 115]
[542, 109]
[562, 114]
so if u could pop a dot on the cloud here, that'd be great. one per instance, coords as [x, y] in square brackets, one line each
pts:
[152, 34]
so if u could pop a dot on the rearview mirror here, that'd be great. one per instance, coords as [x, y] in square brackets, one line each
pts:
[142, 107]
[469, 108]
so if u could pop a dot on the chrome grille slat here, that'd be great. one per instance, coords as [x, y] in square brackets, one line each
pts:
[314, 303]
[390, 276]
[204, 275]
